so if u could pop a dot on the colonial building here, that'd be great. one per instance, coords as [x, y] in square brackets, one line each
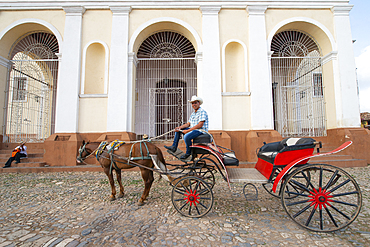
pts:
[102, 70]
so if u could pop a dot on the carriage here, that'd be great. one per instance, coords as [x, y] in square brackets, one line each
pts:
[318, 197]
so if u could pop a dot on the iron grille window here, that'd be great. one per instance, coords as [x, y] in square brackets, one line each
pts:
[20, 89]
[317, 85]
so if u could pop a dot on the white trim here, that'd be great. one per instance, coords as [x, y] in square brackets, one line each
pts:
[93, 95]
[329, 57]
[164, 19]
[302, 19]
[4, 62]
[246, 81]
[236, 93]
[106, 48]
[38, 21]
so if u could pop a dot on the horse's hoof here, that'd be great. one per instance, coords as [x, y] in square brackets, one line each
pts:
[140, 203]
[120, 195]
[112, 199]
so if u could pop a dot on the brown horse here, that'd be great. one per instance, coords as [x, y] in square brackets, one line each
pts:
[118, 159]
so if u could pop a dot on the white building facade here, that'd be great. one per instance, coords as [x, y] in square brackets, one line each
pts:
[100, 67]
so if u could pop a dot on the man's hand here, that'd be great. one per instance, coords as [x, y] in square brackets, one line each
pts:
[186, 131]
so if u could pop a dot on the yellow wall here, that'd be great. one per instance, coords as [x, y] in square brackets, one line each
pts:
[94, 69]
[236, 113]
[96, 25]
[139, 17]
[328, 83]
[93, 115]
[323, 16]
[234, 68]
[54, 17]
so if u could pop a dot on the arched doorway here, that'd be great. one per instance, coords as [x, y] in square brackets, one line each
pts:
[166, 76]
[32, 81]
[297, 81]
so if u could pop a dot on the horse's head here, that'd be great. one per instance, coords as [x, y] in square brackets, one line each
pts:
[83, 152]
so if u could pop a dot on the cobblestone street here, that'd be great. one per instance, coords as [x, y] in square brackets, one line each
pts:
[72, 209]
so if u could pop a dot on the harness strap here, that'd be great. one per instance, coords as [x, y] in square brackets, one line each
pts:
[98, 152]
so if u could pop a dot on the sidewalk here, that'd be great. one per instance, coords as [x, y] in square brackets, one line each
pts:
[72, 209]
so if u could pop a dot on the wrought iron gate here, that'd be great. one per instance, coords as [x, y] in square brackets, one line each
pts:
[299, 107]
[31, 87]
[163, 87]
[297, 81]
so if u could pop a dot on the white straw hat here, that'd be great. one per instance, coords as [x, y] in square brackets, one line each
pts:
[196, 98]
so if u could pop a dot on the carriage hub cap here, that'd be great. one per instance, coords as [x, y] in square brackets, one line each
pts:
[191, 197]
[320, 198]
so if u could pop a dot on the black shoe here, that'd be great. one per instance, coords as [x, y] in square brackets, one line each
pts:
[171, 148]
[6, 166]
[185, 156]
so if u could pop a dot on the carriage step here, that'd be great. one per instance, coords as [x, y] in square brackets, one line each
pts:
[245, 175]
[178, 153]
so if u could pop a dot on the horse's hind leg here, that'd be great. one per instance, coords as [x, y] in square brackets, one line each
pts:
[111, 182]
[119, 179]
[148, 178]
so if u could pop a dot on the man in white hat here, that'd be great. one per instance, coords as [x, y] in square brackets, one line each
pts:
[198, 121]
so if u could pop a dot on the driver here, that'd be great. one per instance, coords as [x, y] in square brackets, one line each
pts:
[198, 121]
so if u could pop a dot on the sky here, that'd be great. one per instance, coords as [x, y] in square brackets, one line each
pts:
[360, 26]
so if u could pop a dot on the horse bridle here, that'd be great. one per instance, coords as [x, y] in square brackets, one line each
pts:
[80, 151]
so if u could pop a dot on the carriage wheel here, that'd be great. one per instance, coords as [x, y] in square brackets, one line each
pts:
[290, 187]
[205, 172]
[330, 200]
[192, 197]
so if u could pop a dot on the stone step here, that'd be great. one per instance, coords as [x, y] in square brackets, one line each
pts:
[84, 168]
[29, 164]
[24, 160]
[29, 151]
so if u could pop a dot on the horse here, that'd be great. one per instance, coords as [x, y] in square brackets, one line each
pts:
[120, 159]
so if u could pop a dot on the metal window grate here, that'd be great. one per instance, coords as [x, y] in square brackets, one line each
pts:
[166, 77]
[30, 94]
[299, 107]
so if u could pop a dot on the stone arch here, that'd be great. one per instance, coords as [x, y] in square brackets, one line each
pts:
[164, 23]
[312, 27]
[20, 27]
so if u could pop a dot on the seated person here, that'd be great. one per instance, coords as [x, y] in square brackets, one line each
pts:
[198, 121]
[18, 152]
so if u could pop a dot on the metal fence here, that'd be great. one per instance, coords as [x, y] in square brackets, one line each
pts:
[163, 87]
[29, 100]
[299, 106]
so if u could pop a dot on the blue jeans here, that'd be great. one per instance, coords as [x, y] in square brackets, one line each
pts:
[188, 137]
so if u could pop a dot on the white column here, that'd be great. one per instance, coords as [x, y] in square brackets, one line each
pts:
[210, 87]
[132, 64]
[66, 119]
[259, 74]
[119, 94]
[346, 72]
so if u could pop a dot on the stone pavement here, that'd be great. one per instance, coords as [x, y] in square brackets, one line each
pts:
[72, 209]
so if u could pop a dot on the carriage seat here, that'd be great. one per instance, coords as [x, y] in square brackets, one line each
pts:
[269, 151]
[203, 138]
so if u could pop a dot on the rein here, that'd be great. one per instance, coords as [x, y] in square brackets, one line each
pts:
[83, 149]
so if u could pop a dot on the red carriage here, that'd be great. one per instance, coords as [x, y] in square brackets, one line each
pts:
[318, 197]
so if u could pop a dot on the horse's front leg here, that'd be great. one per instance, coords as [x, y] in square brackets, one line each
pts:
[111, 182]
[119, 179]
[148, 178]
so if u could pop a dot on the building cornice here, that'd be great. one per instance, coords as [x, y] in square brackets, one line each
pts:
[257, 9]
[74, 10]
[341, 10]
[120, 10]
[167, 4]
